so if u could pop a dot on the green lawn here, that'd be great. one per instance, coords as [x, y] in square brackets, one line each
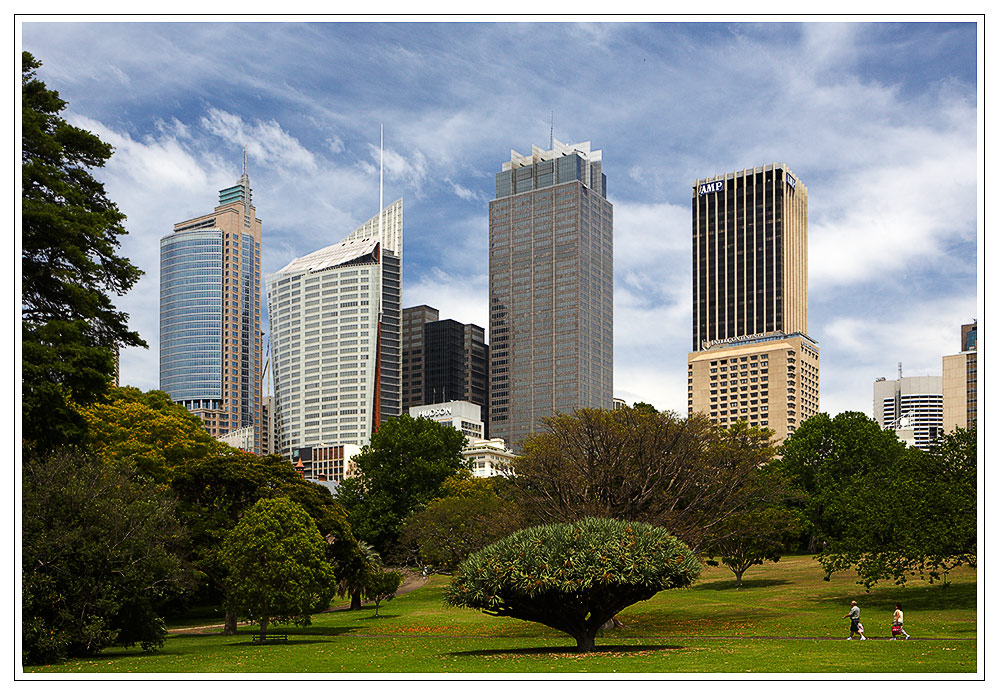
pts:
[711, 627]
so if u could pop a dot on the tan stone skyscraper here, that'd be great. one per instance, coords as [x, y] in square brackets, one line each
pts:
[752, 357]
[960, 383]
[210, 342]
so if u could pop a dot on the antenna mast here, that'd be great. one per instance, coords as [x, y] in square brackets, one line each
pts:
[381, 181]
[551, 131]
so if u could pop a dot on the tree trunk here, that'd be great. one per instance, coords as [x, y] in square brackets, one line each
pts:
[263, 628]
[355, 601]
[584, 642]
[376, 607]
[738, 580]
[230, 623]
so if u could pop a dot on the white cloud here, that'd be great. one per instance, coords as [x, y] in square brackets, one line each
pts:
[265, 141]
[463, 298]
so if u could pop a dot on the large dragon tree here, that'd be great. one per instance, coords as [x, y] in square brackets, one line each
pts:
[573, 577]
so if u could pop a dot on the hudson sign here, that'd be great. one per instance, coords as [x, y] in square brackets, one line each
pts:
[712, 187]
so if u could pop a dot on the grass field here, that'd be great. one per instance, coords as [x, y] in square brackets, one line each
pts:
[785, 619]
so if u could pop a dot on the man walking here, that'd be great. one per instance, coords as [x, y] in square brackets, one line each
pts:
[854, 616]
[896, 623]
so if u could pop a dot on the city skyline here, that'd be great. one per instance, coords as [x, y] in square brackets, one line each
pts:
[869, 115]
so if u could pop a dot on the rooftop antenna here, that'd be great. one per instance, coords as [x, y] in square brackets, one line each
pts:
[381, 180]
[244, 159]
[551, 131]
[899, 370]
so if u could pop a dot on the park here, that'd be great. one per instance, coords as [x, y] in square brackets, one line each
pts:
[785, 619]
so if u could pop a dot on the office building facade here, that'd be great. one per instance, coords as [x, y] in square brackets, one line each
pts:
[210, 339]
[551, 289]
[750, 299]
[413, 320]
[911, 403]
[960, 382]
[335, 317]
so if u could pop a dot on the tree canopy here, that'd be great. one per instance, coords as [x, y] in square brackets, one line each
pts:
[469, 515]
[100, 552]
[573, 577]
[403, 469]
[277, 565]
[915, 515]
[70, 267]
[639, 464]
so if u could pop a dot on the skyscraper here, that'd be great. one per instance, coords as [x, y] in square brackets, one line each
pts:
[413, 320]
[210, 342]
[750, 301]
[335, 317]
[551, 288]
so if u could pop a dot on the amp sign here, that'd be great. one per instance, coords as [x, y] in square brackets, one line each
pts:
[712, 187]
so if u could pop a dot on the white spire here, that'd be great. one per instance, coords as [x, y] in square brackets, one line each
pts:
[381, 178]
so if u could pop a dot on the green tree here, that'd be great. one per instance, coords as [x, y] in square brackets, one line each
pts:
[913, 516]
[147, 430]
[827, 459]
[99, 554]
[573, 577]
[381, 586]
[70, 234]
[353, 579]
[402, 470]
[277, 565]
[214, 493]
[469, 516]
[639, 464]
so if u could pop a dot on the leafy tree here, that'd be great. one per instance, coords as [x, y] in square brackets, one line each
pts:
[402, 470]
[573, 577]
[69, 268]
[827, 459]
[99, 553]
[147, 430]
[381, 586]
[215, 492]
[277, 565]
[914, 516]
[469, 516]
[639, 464]
[352, 581]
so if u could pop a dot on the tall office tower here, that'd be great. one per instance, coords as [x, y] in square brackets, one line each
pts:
[210, 341]
[912, 406]
[267, 426]
[750, 301]
[413, 320]
[551, 289]
[960, 382]
[456, 364]
[335, 318]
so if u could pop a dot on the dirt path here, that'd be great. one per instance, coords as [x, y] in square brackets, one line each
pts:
[411, 582]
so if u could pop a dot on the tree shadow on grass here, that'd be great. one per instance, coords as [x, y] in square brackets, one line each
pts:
[568, 650]
[922, 597]
[729, 584]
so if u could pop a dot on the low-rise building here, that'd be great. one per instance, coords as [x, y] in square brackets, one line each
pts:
[489, 457]
[461, 415]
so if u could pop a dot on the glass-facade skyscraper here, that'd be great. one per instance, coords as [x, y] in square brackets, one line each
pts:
[335, 317]
[551, 289]
[210, 340]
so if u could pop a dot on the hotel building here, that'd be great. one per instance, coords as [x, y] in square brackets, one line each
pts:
[210, 340]
[551, 289]
[750, 301]
[335, 318]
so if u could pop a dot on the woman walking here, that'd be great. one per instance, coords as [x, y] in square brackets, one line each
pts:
[896, 623]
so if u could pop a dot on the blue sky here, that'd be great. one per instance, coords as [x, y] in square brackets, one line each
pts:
[879, 121]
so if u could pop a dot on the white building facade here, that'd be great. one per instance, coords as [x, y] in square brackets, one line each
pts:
[911, 403]
[489, 457]
[335, 320]
[461, 415]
